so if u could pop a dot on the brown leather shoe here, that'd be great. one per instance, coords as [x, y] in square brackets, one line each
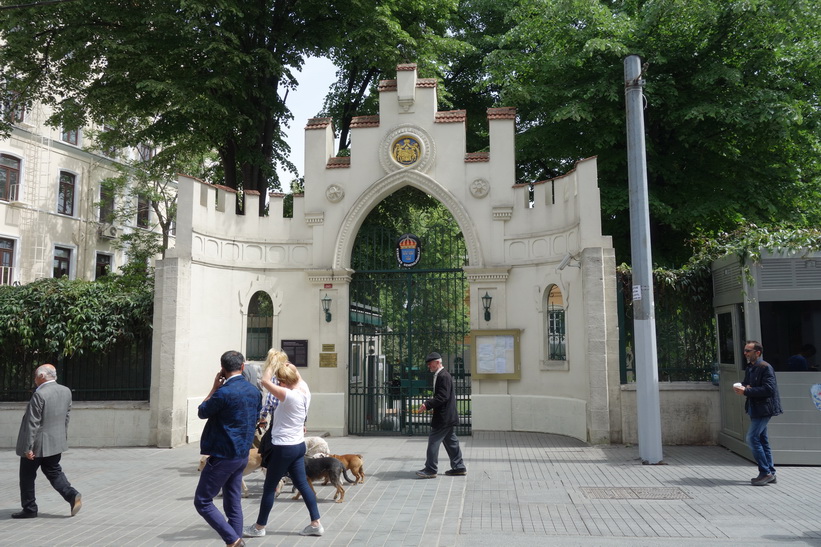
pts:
[77, 504]
[238, 543]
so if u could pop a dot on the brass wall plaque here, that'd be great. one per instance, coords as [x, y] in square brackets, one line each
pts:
[328, 348]
[327, 360]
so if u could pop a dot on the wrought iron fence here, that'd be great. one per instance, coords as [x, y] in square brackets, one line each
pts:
[685, 330]
[123, 373]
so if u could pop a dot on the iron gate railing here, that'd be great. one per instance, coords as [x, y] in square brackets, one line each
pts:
[397, 317]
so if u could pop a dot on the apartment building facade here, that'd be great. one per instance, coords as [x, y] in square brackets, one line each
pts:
[55, 215]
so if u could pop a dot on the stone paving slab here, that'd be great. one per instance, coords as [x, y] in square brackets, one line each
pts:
[522, 489]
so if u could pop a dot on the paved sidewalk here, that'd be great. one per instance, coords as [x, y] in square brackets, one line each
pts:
[522, 489]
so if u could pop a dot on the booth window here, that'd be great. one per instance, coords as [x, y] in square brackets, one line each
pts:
[555, 325]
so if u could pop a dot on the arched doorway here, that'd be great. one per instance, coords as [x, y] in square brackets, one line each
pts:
[400, 313]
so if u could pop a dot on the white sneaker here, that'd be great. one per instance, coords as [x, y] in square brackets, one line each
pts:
[312, 530]
[252, 532]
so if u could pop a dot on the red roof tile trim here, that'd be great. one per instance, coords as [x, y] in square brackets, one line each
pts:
[406, 66]
[223, 187]
[318, 123]
[387, 85]
[390, 85]
[365, 121]
[474, 157]
[451, 116]
[252, 192]
[504, 113]
[336, 163]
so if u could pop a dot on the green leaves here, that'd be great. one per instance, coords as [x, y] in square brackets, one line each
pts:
[62, 316]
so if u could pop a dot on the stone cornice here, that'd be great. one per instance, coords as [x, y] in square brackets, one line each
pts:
[479, 274]
[340, 275]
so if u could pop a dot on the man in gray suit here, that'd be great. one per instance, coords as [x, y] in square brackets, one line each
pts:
[42, 439]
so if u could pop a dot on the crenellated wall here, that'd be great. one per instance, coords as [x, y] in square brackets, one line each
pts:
[514, 246]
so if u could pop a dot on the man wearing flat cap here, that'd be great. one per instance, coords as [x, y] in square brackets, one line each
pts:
[445, 418]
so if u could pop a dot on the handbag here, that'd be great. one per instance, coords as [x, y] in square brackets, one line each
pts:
[266, 447]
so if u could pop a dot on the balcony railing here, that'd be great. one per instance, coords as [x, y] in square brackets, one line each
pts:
[6, 275]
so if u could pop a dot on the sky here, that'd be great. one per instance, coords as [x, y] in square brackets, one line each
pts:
[305, 102]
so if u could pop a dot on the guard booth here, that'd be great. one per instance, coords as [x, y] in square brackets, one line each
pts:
[778, 302]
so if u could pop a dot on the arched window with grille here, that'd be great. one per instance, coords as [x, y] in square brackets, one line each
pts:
[260, 326]
[555, 330]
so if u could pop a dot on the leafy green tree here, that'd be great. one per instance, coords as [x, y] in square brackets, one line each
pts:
[374, 42]
[733, 120]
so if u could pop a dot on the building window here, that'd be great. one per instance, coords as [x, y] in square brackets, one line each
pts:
[143, 212]
[9, 177]
[106, 204]
[12, 111]
[71, 136]
[6, 261]
[109, 151]
[103, 265]
[260, 326]
[146, 152]
[556, 341]
[65, 193]
[62, 262]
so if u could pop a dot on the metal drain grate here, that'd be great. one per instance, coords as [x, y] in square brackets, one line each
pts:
[634, 493]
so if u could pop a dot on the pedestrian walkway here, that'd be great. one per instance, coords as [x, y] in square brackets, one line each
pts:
[522, 489]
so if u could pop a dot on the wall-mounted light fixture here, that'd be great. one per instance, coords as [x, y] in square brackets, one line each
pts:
[566, 262]
[486, 300]
[326, 307]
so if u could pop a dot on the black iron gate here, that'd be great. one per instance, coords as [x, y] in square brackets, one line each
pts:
[399, 315]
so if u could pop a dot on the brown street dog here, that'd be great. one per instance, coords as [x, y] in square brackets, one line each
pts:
[329, 469]
[254, 463]
[354, 464]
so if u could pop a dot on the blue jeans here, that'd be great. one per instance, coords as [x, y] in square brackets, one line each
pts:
[760, 445]
[227, 475]
[286, 459]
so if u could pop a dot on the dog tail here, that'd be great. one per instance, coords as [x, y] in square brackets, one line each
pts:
[345, 473]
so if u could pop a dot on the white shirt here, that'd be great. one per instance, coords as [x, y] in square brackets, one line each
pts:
[289, 419]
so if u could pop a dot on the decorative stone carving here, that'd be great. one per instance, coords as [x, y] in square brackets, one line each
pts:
[407, 147]
[334, 193]
[479, 188]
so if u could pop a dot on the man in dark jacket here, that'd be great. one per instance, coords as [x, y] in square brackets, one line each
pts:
[445, 418]
[763, 402]
[232, 408]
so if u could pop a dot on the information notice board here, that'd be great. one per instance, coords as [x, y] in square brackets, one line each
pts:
[495, 354]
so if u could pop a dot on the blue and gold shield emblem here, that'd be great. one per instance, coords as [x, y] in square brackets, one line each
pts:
[406, 151]
[408, 250]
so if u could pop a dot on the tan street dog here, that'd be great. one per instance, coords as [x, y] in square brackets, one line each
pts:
[254, 464]
[354, 464]
[329, 469]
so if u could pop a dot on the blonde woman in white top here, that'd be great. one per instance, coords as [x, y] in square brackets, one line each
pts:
[288, 436]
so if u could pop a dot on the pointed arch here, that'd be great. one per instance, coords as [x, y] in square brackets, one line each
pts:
[385, 187]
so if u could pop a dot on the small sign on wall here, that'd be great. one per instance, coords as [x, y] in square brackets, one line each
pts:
[297, 351]
[327, 360]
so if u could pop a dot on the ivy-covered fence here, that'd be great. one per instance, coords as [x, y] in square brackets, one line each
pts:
[97, 334]
[685, 325]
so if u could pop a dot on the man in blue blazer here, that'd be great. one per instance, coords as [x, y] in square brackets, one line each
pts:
[231, 408]
[42, 439]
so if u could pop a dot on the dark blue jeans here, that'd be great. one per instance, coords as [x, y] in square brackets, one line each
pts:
[286, 459]
[759, 444]
[446, 436]
[225, 474]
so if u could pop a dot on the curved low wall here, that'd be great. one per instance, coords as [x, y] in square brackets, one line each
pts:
[559, 415]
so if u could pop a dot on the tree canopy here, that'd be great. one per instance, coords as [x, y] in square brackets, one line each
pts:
[733, 120]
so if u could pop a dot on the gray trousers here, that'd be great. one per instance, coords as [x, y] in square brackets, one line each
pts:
[447, 437]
